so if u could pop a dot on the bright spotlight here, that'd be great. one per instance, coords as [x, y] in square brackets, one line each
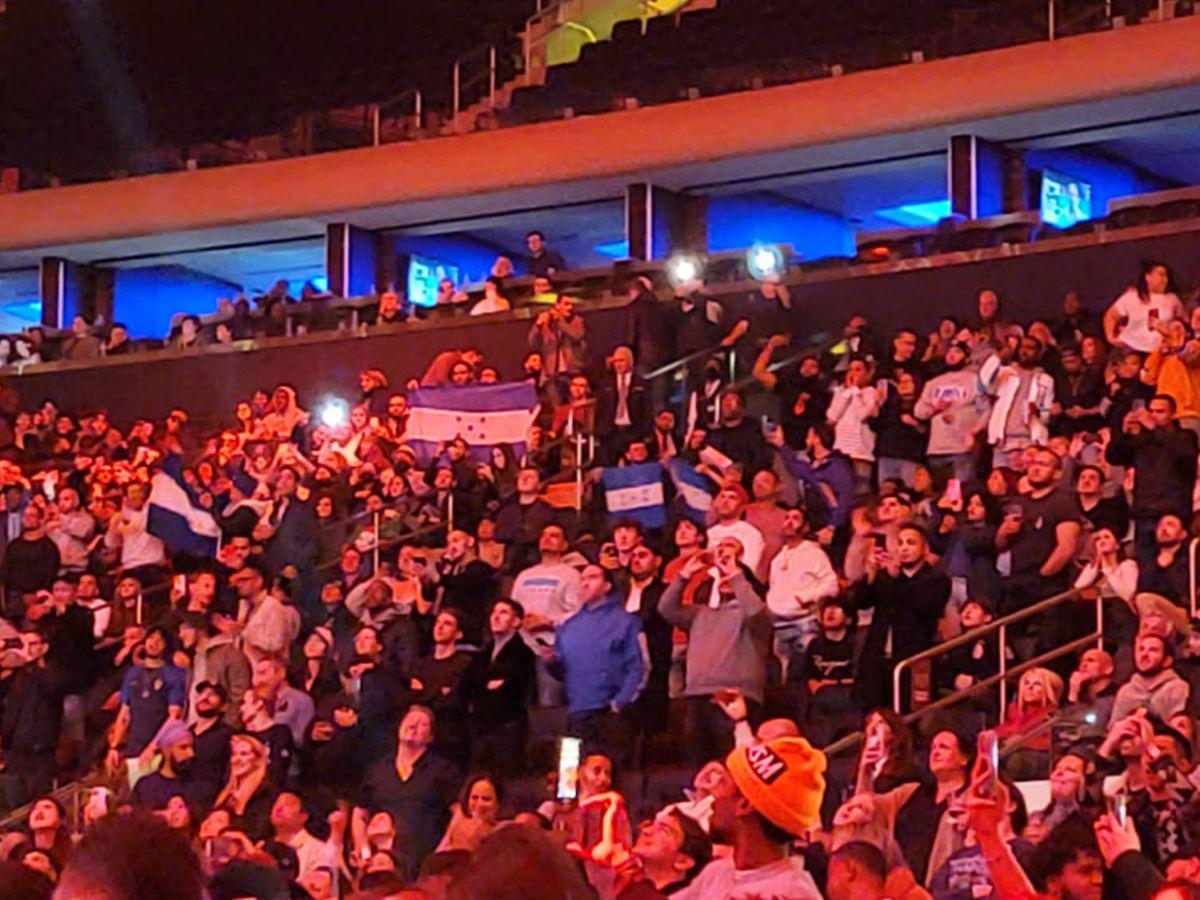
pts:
[765, 261]
[334, 413]
[683, 268]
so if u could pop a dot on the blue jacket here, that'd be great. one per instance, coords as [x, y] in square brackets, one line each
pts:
[601, 656]
[834, 471]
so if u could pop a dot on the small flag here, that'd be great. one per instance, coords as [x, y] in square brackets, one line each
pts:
[560, 494]
[635, 492]
[484, 415]
[693, 488]
[174, 517]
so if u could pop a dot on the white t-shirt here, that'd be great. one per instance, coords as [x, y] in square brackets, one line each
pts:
[485, 306]
[783, 880]
[1138, 333]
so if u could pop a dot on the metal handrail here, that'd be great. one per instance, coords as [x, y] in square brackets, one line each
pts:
[974, 634]
[980, 687]
[458, 85]
[1192, 574]
[379, 111]
[684, 360]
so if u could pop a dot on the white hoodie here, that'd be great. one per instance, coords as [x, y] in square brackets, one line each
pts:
[801, 576]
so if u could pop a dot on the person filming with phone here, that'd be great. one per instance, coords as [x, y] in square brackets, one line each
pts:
[1164, 456]
[729, 634]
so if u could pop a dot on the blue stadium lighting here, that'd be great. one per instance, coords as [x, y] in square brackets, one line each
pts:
[764, 261]
[29, 310]
[916, 215]
[614, 249]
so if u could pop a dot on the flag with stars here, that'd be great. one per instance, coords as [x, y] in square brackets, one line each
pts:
[635, 492]
[484, 415]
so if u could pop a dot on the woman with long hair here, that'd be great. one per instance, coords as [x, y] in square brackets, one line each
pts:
[474, 816]
[1026, 742]
[886, 760]
[1136, 318]
[247, 793]
[49, 831]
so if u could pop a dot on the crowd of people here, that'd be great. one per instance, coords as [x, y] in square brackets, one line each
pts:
[373, 683]
[266, 315]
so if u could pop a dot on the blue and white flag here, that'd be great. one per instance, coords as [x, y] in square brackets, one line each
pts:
[693, 489]
[635, 492]
[484, 415]
[173, 515]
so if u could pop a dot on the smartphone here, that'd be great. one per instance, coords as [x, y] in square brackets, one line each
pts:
[953, 491]
[179, 584]
[768, 427]
[98, 801]
[1014, 509]
[1120, 808]
[989, 761]
[1138, 405]
[48, 489]
[569, 752]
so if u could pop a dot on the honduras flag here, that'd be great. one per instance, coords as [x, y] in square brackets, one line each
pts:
[173, 515]
[693, 489]
[485, 415]
[635, 492]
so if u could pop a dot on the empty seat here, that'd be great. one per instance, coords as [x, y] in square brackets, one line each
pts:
[1174, 210]
[1130, 217]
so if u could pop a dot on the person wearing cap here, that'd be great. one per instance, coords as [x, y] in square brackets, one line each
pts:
[175, 744]
[729, 506]
[779, 786]
[216, 658]
[211, 732]
[957, 411]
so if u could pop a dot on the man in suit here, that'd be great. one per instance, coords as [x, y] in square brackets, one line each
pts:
[292, 545]
[499, 687]
[622, 411]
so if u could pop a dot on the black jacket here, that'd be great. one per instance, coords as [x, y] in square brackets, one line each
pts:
[30, 566]
[1165, 459]
[295, 542]
[32, 715]
[509, 702]
[606, 405]
[469, 591]
[908, 606]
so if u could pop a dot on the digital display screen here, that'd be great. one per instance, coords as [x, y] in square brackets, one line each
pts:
[1065, 200]
[421, 283]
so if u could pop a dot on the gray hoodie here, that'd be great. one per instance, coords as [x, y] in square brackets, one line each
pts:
[1162, 695]
[728, 645]
[953, 429]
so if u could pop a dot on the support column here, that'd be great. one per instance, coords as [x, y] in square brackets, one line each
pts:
[979, 178]
[358, 261]
[659, 222]
[65, 288]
